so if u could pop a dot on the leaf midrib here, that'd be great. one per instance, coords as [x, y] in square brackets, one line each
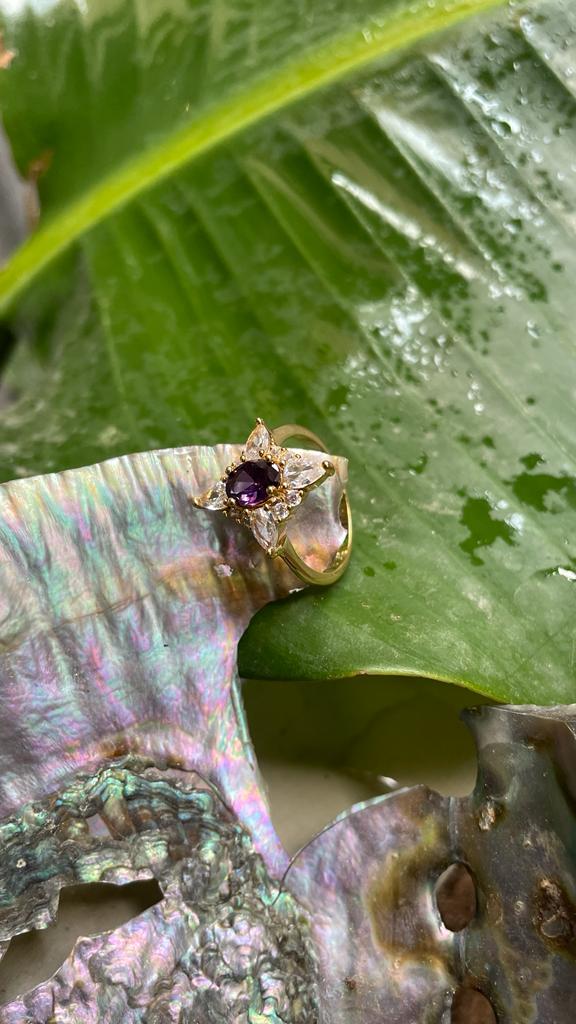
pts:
[294, 81]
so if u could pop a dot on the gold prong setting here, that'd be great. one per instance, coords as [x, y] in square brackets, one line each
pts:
[265, 487]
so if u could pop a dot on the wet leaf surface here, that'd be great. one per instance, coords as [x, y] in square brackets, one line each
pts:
[376, 243]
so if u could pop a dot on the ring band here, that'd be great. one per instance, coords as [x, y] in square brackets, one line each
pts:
[287, 551]
[264, 489]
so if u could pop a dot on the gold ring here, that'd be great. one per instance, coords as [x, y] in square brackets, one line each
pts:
[265, 488]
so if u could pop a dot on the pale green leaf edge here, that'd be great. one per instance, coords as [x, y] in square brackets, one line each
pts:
[291, 83]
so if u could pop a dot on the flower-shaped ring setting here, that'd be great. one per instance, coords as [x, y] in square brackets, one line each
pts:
[266, 486]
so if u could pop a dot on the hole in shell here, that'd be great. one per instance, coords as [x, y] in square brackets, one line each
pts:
[456, 897]
[83, 910]
[323, 747]
[470, 1006]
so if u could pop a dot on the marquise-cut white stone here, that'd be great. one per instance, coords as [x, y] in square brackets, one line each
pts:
[260, 440]
[264, 528]
[216, 498]
[301, 472]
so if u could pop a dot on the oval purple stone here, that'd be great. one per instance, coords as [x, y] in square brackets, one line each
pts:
[248, 484]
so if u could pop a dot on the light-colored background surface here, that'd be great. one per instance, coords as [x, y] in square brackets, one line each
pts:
[322, 747]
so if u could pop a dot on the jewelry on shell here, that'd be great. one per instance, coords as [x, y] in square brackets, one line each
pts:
[266, 487]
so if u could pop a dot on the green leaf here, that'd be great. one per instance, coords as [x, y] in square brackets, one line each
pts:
[249, 211]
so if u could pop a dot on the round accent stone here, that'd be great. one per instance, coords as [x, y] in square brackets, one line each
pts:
[247, 485]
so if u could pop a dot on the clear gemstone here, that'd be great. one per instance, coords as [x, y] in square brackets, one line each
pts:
[260, 440]
[247, 485]
[216, 497]
[300, 471]
[280, 511]
[223, 569]
[264, 528]
[276, 453]
[293, 498]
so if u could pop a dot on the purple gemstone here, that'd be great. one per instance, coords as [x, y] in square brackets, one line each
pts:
[248, 484]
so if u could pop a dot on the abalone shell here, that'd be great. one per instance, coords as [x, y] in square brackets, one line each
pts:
[124, 754]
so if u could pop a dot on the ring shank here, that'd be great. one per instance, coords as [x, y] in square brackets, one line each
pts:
[286, 550]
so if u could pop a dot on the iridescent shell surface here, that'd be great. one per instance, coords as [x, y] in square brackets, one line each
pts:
[123, 747]
[124, 755]
[369, 884]
[121, 607]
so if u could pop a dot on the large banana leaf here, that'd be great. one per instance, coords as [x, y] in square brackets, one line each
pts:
[273, 208]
